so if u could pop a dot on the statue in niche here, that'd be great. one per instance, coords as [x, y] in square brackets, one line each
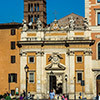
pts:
[86, 25]
[39, 24]
[72, 23]
[25, 27]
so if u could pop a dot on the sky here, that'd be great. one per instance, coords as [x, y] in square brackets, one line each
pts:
[13, 10]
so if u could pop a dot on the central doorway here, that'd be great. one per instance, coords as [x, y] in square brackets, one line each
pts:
[98, 84]
[56, 83]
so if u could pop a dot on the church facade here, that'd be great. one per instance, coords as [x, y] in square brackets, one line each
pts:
[54, 52]
[63, 56]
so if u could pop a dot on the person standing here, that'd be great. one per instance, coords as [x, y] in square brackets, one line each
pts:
[52, 95]
[8, 97]
[21, 98]
[98, 97]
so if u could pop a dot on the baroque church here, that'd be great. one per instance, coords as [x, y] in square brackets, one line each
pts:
[63, 56]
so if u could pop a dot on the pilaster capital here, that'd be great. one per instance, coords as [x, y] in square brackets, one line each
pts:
[40, 53]
[70, 53]
[88, 52]
[22, 53]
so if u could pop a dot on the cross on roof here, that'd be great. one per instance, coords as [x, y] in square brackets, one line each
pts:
[55, 13]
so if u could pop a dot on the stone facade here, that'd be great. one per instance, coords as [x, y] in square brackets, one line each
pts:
[56, 49]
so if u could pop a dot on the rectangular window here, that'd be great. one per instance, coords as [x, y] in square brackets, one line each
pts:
[31, 18]
[13, 32]
[31, 7]
[35, 18]
[31, 77]
[12, 77]
[79, 77]
[12, 45]
[98, 1]
[79, 59]
[13, 58]
[99, 19]
[31, 59]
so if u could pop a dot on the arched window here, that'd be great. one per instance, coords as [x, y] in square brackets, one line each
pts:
[98, 1]
[98, 77]
[99, 51]
[37, 7]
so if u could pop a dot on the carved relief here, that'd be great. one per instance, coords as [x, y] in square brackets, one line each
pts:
[55, 62]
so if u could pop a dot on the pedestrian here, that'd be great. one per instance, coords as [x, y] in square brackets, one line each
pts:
[8, 97]
[29, 95]
[24, 93]
[64, 97]
[80, 96]
[52, 95]
[98, 96]
[21, 98]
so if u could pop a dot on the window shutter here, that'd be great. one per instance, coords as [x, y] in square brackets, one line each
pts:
[9, 78]
[16, 78]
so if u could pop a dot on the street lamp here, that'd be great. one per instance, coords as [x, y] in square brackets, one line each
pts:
[26, 68]
[66, 83]
[74, 88]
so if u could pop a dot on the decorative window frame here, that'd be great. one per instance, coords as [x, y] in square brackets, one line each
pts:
[77, 76]
[79, 56]
[97, 1]
[34, 77]
[29, 60]
[97, 50]
[97, 11]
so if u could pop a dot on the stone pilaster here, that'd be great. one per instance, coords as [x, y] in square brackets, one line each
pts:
[39, 73]
[23, 62]
[88, 73]
[71, 73]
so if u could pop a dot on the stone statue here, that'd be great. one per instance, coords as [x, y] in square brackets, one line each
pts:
[39, 24]
[72, 23]
[86, 25]
[25, 27]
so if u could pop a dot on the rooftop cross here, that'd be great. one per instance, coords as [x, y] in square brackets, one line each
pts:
[55, 13]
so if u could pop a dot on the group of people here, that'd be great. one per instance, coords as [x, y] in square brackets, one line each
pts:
[52, 96]
[8, 96]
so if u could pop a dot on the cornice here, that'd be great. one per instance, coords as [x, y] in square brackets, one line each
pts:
[56, 42]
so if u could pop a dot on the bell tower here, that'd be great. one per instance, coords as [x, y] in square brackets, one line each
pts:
[34, 9]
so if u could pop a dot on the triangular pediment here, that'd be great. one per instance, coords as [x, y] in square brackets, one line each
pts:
[65, 20]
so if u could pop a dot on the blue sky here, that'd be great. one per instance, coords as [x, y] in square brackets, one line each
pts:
[12, 10]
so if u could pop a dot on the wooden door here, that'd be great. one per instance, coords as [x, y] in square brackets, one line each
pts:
[98, 84]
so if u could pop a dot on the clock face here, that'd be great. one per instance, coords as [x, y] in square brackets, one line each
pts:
[55, 58]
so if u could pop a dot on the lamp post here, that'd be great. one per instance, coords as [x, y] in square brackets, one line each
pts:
[74, 88]
[26, 68]
[66, 83]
